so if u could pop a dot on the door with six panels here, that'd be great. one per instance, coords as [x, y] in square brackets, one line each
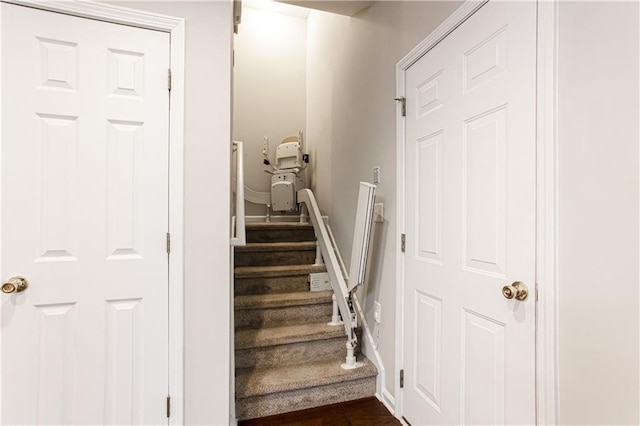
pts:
[84, 195]
[469, 353]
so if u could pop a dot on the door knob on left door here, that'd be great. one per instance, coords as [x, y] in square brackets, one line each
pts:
[15, 285]
[518, 289]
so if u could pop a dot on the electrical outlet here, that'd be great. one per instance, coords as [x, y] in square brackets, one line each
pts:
[376, 175]
[378, 212]
[376, 311]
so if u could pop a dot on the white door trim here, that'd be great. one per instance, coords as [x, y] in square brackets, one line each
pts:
[547, 214]
[176, 28]
[546, 196]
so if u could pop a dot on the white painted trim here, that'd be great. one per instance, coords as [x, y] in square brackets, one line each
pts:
[233, 421]
[547, 214]
[454, 20]
[388, 400]
[400, 229]
[176, 28]
[176, 223]
[1, 207]
[104, 12]
[546, 222]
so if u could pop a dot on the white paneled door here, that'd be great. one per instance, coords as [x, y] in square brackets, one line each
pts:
[84, 194]
[469, 353]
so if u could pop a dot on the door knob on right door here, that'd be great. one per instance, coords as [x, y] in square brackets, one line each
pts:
[518, 289]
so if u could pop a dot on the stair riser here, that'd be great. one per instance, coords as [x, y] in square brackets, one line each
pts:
[283, 402]
[292, 353]
[278, 236]
[271, 285]
[270, 317]
[275, 258]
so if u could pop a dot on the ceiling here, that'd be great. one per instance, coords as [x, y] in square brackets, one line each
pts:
[341, 7]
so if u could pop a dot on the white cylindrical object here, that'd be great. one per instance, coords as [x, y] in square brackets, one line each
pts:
[335, 317]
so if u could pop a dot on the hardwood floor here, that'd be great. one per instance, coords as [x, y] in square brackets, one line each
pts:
[361, 412]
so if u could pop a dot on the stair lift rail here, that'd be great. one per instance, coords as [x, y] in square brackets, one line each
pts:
[338, 282]
[238, 232]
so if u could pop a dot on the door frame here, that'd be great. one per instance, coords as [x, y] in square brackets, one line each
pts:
[546, 200]
[176, 28]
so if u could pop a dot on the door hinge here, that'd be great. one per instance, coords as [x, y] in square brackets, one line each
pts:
[536, 292]
[168, 406]
[168, 243]
[403, 242]
[403, 104]
[401, 379]
[169, 79]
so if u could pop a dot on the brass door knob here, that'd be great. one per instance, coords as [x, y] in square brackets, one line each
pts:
[518, 289]
[15, 285]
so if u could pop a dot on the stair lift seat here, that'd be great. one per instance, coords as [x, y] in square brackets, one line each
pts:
[287, 179]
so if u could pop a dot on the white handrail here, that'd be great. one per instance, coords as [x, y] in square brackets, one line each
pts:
[343, 268]
[338, 283]
[238, 232]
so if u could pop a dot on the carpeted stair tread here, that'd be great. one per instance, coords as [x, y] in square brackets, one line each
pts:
[282, 335]
[276, 271]
[262, 381]
[279, 232]
[275, 226]
[280, 246]
[276, 253]
[277, 300]
[283, 402]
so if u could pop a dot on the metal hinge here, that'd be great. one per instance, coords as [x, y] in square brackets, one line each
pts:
[536, 292]
[403, 242]
[403, 100]
[168, 243]
[169, 79]
[401, 379]
[168, 406]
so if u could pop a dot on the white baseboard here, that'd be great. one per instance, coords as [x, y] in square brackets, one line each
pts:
[389, 401]
[372, 353]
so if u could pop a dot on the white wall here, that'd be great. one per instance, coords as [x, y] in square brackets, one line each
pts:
[598, 213]
[323, 51]
[269, 88]
[206, 209]
[352, 128]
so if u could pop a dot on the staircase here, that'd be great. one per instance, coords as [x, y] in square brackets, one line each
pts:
[287, 357]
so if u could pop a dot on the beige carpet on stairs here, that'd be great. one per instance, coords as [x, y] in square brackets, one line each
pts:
[287, 357]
